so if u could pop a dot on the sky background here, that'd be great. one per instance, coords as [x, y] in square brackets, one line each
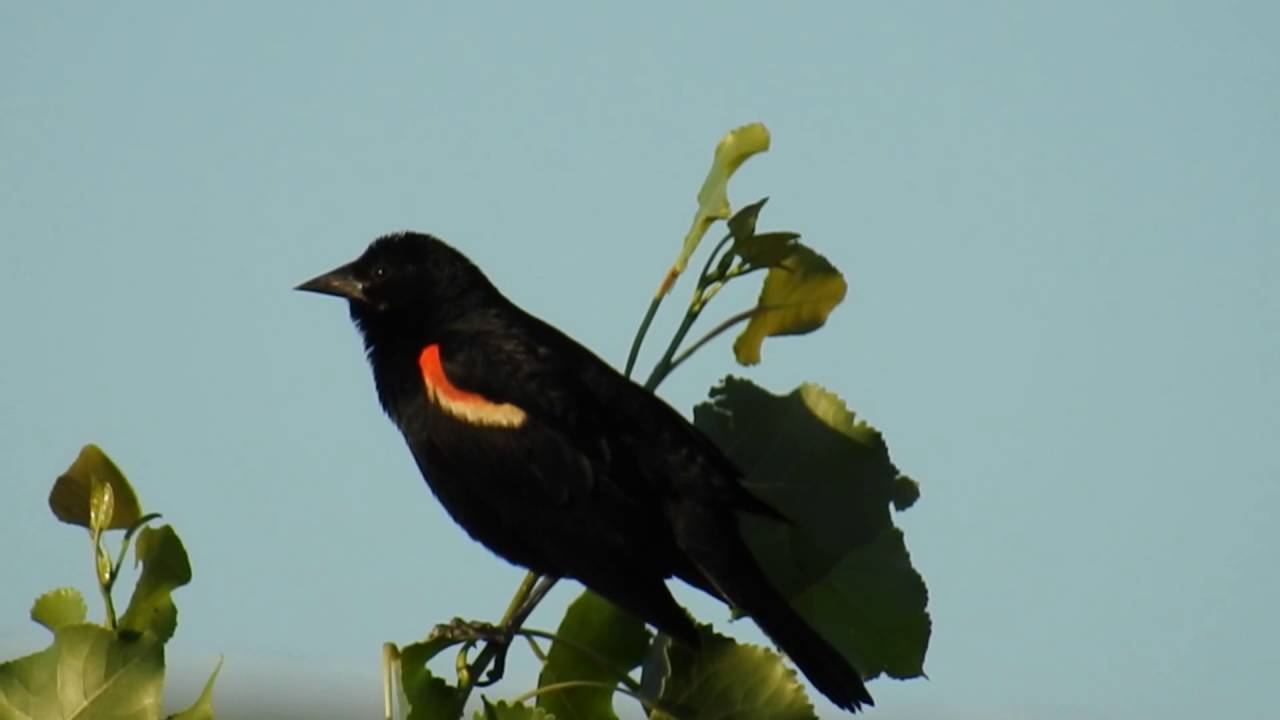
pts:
[1060, 224]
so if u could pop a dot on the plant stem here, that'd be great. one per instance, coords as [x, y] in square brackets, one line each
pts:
[533, 588]
[522, 594]
[663, 368]
[569, 685]
[101, 559]
[641, 332]
[596, 657]
[715, 332]
[536, 649]
[708, 279]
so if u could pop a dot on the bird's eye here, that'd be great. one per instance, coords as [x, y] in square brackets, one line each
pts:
[379, 271]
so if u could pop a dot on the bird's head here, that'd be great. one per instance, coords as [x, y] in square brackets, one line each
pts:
[405, 274]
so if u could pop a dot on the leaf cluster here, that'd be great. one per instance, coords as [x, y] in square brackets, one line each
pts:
[115, 668]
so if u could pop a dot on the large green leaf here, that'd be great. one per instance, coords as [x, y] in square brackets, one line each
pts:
[72, 492]
[798, 294]
[506, 711]
[725, 679]
[618, 641]
[841, 561]
[59, 608]
[165, 567]
[88, 672]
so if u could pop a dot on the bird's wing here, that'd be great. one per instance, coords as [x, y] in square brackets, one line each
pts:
[641, 443]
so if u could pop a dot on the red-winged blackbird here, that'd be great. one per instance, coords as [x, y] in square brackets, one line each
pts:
[555, 461]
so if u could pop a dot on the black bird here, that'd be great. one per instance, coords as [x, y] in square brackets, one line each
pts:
[555, 461]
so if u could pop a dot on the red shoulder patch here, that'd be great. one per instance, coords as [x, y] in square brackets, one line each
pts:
[463, 404]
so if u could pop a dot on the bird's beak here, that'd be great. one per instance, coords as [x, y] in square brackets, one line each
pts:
[340, 282]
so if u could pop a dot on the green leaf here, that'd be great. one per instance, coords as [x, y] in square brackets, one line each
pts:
[724, 679]
[428, 697]
[713, 199]
[798, 295]
[202, 709]
[505, 711]
[767, 249]
[59, 608]
[841, 561]
[743, 223]
[70, 497]
[616, 637]
[88, 672]
[165, 568]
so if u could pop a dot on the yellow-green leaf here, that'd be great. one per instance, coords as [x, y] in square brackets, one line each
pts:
[70, 498]
[88, 672]
[59, 608]
[713, 199]
[798, 295]
[102, 504]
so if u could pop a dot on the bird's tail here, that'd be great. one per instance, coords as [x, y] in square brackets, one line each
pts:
[714, 543]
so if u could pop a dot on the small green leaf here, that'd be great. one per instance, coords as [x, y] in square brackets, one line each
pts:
[505, 711]
[743, 223]
[202, 709]
[165, 568]
[59, 608]
[88, 672]
[724, 679]
[797, 296]
[616, 636]
[102, 504]
[428, 697]
[841, 562]
[70, 497]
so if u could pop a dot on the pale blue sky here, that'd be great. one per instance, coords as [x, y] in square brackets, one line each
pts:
[1060, 225]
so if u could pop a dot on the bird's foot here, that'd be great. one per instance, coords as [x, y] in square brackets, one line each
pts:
[461, 630]
[470, 631]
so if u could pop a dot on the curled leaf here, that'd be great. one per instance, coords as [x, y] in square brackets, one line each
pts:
[713, 199]
[102, 504]
[798, 295]
[165, 568]
[71, 497]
